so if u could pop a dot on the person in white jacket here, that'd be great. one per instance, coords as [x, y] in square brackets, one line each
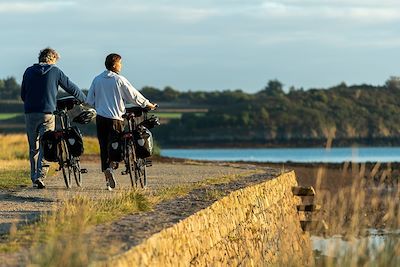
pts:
[108, 94]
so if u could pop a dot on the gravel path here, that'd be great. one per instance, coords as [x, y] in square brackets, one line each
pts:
[24, 205]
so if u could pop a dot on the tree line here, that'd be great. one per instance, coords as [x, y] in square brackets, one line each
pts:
[10, 89]
[358, 113]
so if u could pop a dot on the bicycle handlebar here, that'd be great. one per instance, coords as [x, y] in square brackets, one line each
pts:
[147, 109]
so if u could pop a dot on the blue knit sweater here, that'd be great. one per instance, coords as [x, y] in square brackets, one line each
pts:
[40, 86]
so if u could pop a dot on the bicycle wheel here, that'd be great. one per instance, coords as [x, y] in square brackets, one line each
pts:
[130, 163]
[64, 163]
[77, 172]
[141, 172]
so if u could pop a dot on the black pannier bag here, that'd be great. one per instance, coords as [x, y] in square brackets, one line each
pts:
[115, 148]
[74, 141]
[143, 142]
[50, 141]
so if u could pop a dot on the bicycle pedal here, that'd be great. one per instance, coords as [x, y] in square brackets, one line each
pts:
[149, 163]
[124, 173]
[84, 171]
[45, 165]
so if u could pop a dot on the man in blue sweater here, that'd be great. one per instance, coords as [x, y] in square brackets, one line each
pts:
[39, 91]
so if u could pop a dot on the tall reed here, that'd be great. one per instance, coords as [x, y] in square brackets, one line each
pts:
[364, 198]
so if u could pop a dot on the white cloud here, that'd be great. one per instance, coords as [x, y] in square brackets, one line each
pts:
[353, 10]
[185, 13]
[33, 7]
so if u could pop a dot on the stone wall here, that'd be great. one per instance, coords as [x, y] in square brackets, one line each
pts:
[254, 226]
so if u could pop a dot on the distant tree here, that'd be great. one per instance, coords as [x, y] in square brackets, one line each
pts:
[274, 87]
[170, 94]
[9, 88]
[393, 83]
[264, 115]
[152, 93]
[339, 87]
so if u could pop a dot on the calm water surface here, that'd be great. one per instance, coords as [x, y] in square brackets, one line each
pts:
[335, 246]
[334, 155]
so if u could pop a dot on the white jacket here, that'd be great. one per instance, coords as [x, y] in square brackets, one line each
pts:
[109, 92]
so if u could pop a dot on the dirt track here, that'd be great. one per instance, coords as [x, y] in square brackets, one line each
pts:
[24, 205]
[18, 206]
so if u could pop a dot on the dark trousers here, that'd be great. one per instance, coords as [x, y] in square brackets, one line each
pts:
[106, 129]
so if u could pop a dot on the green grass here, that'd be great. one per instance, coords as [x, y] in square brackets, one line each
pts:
[176, 115]
[14, 178]
[6, 116]
[14, 163]
[169, 115]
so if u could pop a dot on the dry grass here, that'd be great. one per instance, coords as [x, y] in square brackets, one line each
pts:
[171, 192]
[13, 146]
[14, 159]
[355, 199]
[61, 237]
[351, 210]
[14, 173]
[91, 145]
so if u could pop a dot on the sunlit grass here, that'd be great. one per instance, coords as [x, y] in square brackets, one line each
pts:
[14, 173]
[91, 145]
[14, 159]
[13, 146]
[6, 116]
[169, 115]
[176, 115]
[60, 238]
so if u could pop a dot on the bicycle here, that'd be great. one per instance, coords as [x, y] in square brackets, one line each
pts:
[135, 165]
[69, 138]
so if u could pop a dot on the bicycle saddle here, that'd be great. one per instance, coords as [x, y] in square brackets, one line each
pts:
[67, 102]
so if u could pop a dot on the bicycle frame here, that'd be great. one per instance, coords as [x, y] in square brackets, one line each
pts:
[67, 163]
[135, 167]
[64, 119]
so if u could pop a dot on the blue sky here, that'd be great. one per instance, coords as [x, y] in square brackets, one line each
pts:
[208, 44]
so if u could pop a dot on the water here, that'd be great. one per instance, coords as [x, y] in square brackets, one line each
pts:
[334, 155]
[372, 243]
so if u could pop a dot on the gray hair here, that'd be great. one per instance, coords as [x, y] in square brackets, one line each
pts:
[48, 54]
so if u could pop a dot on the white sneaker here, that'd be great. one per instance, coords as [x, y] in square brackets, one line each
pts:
[108, 186]
[109, 173]
[40, 183]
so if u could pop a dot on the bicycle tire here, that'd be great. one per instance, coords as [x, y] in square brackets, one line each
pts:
[130, 163]
[64, 163]
[141, 172]
[144, 173]
[77, 172]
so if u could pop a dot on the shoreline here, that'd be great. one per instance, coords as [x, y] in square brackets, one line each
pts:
[292, 163]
